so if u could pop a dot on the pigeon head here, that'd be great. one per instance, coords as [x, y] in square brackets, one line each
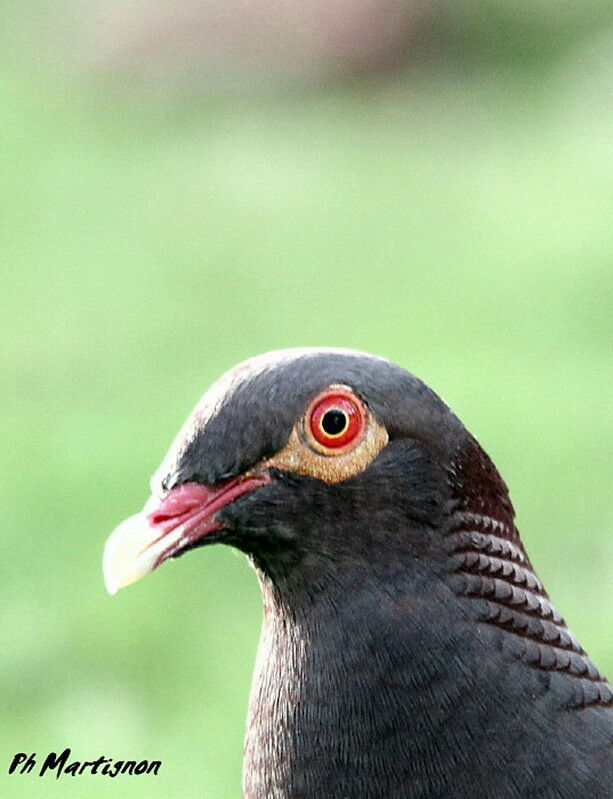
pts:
[408, 649]
[311, 462]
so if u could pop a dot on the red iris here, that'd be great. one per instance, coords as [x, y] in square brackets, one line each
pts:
[336, 419]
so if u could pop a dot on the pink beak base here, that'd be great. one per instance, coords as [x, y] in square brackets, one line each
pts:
[167, 525]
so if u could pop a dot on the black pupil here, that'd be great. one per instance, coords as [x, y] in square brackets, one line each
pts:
[334, 422]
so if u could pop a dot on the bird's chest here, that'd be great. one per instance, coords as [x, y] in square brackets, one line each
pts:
[330, 715]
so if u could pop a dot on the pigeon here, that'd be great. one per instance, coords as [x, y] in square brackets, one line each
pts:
[408, 648]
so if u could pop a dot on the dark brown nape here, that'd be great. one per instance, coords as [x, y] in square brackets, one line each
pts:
[490, 567]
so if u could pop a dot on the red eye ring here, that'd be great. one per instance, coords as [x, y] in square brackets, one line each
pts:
[336, 419]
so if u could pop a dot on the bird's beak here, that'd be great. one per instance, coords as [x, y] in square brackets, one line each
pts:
[167, 525]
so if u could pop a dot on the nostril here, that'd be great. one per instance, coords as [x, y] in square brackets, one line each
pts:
[158, 517]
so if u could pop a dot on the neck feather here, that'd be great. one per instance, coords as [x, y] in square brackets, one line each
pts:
[368, 682]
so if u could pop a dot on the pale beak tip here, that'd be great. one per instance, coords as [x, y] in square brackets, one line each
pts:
[124, 561]
[111, 585]
[112, 579]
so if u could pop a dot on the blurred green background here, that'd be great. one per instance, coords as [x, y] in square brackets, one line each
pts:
[453, 214]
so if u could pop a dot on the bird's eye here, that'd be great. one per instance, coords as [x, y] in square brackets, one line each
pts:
[335, 439]
[335, 420]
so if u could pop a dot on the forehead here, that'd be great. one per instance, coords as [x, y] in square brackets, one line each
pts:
[248, 414]
[289, 367]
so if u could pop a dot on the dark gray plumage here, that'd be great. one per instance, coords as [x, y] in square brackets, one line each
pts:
[408, 648]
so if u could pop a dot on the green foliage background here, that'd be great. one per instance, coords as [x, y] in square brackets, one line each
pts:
[456, 218]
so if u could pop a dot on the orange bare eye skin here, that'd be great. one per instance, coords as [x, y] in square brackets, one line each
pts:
[335, 439]
[336, 420]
